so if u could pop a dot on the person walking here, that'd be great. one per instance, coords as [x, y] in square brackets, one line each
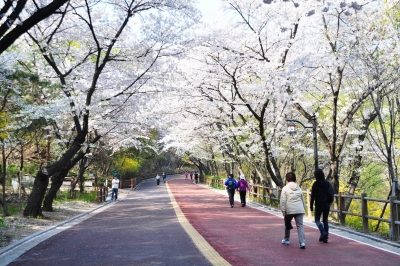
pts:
[231, 186]
[114, 186]
[196, 177]
[292, 206]
[164, 176]
[158, 179]
[186, 174]
[322, 194]
[243, 186]
[191, 175]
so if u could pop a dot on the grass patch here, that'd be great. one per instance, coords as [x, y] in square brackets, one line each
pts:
[63, 196]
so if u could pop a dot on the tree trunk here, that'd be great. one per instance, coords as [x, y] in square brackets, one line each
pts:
[56, 182]
[333, 177]
[3, 183]
[33, 207]
[72, 188]
[41, 13]
[19, 176]
[357, 162]
[79, 179]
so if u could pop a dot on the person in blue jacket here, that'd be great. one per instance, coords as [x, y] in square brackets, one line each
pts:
[231, 186]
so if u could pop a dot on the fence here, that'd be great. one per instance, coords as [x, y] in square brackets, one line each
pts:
[101, 194]
[270, 196]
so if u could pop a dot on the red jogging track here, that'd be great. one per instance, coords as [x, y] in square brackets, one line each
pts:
[247, 236]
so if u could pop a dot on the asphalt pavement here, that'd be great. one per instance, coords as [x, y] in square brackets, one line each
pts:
[181, 223]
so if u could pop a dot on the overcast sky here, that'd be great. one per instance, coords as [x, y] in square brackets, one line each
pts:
[209, 8]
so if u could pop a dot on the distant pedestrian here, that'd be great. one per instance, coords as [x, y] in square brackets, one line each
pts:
[186, 174]
[158, 179]
[231, 186]
[114, 186]
[322, 194]
[292, 206]
[196, 177]
[164, 176]
[191, 175]
[243, 186]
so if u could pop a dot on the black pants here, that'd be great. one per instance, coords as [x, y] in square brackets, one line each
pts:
[324, 209]
[231, 194]
[158, 181]
[243, 197]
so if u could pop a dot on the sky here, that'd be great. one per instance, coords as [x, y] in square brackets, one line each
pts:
[210, 9]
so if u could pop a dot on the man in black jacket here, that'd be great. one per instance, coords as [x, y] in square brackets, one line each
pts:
[322, 194]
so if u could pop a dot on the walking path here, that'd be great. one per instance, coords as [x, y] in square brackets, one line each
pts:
[198, 228]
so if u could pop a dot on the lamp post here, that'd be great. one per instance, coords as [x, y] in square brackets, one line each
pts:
[292, 130]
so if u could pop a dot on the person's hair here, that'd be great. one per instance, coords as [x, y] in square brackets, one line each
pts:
[319, 174]
[230, 175]
[291, 177]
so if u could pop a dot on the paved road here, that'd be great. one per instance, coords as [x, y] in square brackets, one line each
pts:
[250, 236]
[141, 229]
[180, 223]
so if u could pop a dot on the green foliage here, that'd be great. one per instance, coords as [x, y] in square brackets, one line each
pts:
[12, 170]
[30, 168]
[102, 179]
[13, 210]
[126, 165]
[3, 124]
[2, 223]
[374, 209]
[63, 196]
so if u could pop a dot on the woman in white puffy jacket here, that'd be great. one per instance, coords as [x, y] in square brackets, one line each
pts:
[292, 206]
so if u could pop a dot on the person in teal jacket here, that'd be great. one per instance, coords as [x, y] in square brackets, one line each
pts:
[231, 186]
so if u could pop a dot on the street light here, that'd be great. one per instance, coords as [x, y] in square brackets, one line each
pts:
[292, 130]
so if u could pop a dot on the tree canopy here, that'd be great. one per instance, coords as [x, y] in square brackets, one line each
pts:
[108, 74]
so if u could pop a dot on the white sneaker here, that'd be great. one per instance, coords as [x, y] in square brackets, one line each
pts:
[285, 241]
[302, 245]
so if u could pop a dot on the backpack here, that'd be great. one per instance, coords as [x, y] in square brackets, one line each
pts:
[330, 194]
[231, 185]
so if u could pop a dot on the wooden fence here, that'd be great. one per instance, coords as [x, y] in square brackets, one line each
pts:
[270, 196]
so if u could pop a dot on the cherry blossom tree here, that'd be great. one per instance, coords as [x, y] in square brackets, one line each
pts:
[18, 17]
[102, 71]
[344, 72]
[244, 76]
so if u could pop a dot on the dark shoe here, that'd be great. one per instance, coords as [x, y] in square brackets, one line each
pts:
[323, 237]
[231, 206]
[243, 204]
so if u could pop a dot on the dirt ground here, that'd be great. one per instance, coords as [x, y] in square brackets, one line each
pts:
[16, 227]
